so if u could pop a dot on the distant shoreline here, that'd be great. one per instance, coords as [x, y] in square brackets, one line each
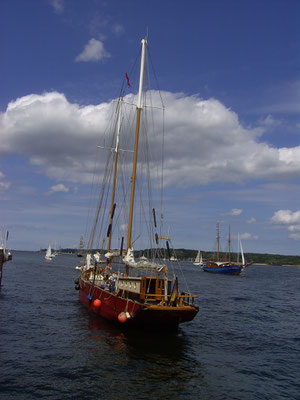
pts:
[273, 265]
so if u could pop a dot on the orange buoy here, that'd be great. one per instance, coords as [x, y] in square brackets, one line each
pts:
[97, 303]
[122, 317]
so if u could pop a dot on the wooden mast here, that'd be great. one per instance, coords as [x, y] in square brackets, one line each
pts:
[136, 143]
[218, 241]
[229, 243]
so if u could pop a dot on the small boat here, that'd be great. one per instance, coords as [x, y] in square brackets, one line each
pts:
[225, 266]
[115, 283]
[198, 260]
[49, 255]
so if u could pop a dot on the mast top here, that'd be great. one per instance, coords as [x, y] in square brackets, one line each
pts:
[144, 45]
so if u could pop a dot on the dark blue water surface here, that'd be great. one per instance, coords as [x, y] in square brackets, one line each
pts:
[243, 344]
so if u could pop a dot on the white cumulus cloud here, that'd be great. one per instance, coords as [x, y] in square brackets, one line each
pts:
[286, 217]
[247, 236]
[58, 188]
[289, 220]
[93, 51]
[4, 185]
[204, 140]
[234, 212]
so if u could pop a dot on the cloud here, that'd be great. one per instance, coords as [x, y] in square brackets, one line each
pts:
[281, 98]
[234, 212]
[286, 217]
[251, 220]
[204, 141]
[270, 122]
[248, 236]
[117, 29]
[93, 51]
[58, 188]
[295, 236]
[3, 184]
[58, 5]
[290, 220]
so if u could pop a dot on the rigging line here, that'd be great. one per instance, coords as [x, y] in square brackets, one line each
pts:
[118, 215]
[124, 188]
[147, 153]
[162, 172]
[121, 198]
[144, 223]
[149, 188]
[111, 155]
[87, 223]
[100, 202]
[124, 85]
[155, 76]
[134, 67]
[141, 179]
[163, 137]
[106, 208]
[93, 185]
[100, 198]
[180, 267]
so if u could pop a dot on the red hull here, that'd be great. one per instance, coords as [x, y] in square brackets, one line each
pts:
[111, 305]
[139, 314]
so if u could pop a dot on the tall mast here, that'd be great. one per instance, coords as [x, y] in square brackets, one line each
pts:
[116, 150]
[136, 143]
[229, 242]
[238, 251]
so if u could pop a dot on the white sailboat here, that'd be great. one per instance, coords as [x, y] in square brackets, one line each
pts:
[241, 253]
[198, 260]
[49, 254]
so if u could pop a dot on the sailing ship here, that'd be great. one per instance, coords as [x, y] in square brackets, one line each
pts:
[115, 283]
[5, 254]
[81, 245]
[199, 259]
[49, 255]
[225, 266]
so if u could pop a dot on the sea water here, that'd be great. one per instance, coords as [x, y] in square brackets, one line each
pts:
[243, 344]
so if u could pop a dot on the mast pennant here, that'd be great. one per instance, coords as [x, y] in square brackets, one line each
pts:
[127, 78]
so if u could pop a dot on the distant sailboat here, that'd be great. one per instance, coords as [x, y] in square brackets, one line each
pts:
[5, 255]
[226, 266]
[49, 254]
[198, 259]
[81, 245]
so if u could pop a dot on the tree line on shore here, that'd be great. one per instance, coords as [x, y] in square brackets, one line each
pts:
[256, 258]
[189, 255]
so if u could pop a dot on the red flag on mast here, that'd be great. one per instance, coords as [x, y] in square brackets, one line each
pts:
[127, 77]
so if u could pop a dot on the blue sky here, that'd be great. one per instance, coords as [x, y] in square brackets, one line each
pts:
[229, 71]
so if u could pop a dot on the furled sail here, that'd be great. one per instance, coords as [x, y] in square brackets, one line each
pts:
[129, 260]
